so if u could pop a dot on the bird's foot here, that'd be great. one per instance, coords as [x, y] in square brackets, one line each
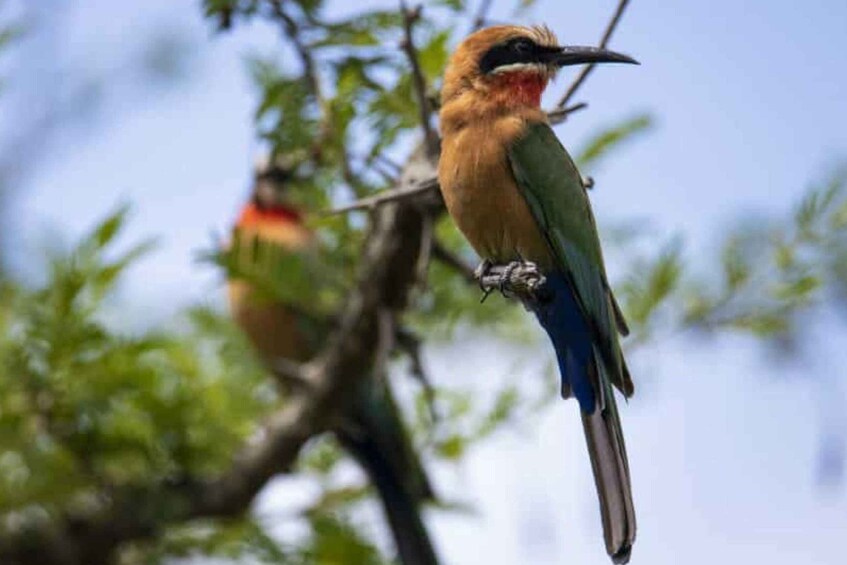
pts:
[482, 271]
[517, 279]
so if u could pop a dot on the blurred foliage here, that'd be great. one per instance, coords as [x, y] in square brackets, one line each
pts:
[611, 137]
[774, 271]
[8, 34]
[768, 275]
[105, 411]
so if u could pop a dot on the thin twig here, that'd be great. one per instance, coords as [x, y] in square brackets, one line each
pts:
[410, 16]
[610, 28]
[387, 161]
[559, 115]
[387, 176]
[481, 15]
[376, 200]
[292, 32]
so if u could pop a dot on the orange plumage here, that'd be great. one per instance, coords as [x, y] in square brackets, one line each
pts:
[370, 428]
[480, 117]
[271, 326]
[516, 194]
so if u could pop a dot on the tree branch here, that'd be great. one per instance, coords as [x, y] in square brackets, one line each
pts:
[425, 253]
[292, 32]
[386, 276]
[410, 16]
[559, 115]
[481, 14]
[429, 185]
[607, 34]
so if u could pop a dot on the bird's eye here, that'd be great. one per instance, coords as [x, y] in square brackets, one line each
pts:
[522, 46]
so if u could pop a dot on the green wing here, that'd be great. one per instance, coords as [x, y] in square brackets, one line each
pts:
[552, 186]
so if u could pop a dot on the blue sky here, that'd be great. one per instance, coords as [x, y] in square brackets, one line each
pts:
[749, 99]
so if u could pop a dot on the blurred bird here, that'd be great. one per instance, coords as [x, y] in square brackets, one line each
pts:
[371, 428]
[516, 194]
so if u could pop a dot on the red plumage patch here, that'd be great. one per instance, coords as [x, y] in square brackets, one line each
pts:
[252, 215]
[523, 87]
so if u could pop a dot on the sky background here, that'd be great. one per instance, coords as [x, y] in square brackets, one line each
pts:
[749, 99]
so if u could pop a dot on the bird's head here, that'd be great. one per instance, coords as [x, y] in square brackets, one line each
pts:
[269, 202]
[512, 65]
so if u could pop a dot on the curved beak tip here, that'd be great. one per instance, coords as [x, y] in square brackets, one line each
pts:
[576, 55]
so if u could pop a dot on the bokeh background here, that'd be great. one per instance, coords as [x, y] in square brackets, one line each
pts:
[736, 442]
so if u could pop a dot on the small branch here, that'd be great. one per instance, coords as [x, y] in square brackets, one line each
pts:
[410, 16]
[607, 34]
[311, 76]
[559, 115]
[387, 161]
[481, 15]
[440, 252]
[429, 185]
[292, 32]
[290, 372]
[387, 176]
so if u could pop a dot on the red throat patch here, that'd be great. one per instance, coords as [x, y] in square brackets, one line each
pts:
[523, 88]
[252, 215]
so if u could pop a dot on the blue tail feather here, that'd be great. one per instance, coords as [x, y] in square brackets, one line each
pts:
[564, 322]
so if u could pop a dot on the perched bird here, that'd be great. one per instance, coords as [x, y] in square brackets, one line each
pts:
[371, 428]
[515, 193]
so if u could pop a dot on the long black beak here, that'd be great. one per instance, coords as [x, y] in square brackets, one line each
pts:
[574, 55]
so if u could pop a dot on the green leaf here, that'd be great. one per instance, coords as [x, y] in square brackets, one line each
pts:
[454, 5]
[452, 447]
[434, 54]
[106, 231]
[336, 540]
[651, 284]
[362, 30]
[611, 138]
[735, 265]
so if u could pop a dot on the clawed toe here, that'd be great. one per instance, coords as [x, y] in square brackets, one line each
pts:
[516, 279]
[483, 269]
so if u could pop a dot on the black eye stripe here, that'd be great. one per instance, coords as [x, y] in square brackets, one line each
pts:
[515, 50]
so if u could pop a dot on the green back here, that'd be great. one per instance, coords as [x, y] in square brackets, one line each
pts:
[552, 186]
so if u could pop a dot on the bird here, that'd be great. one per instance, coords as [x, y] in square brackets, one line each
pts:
[517, 196]
[371, 428]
